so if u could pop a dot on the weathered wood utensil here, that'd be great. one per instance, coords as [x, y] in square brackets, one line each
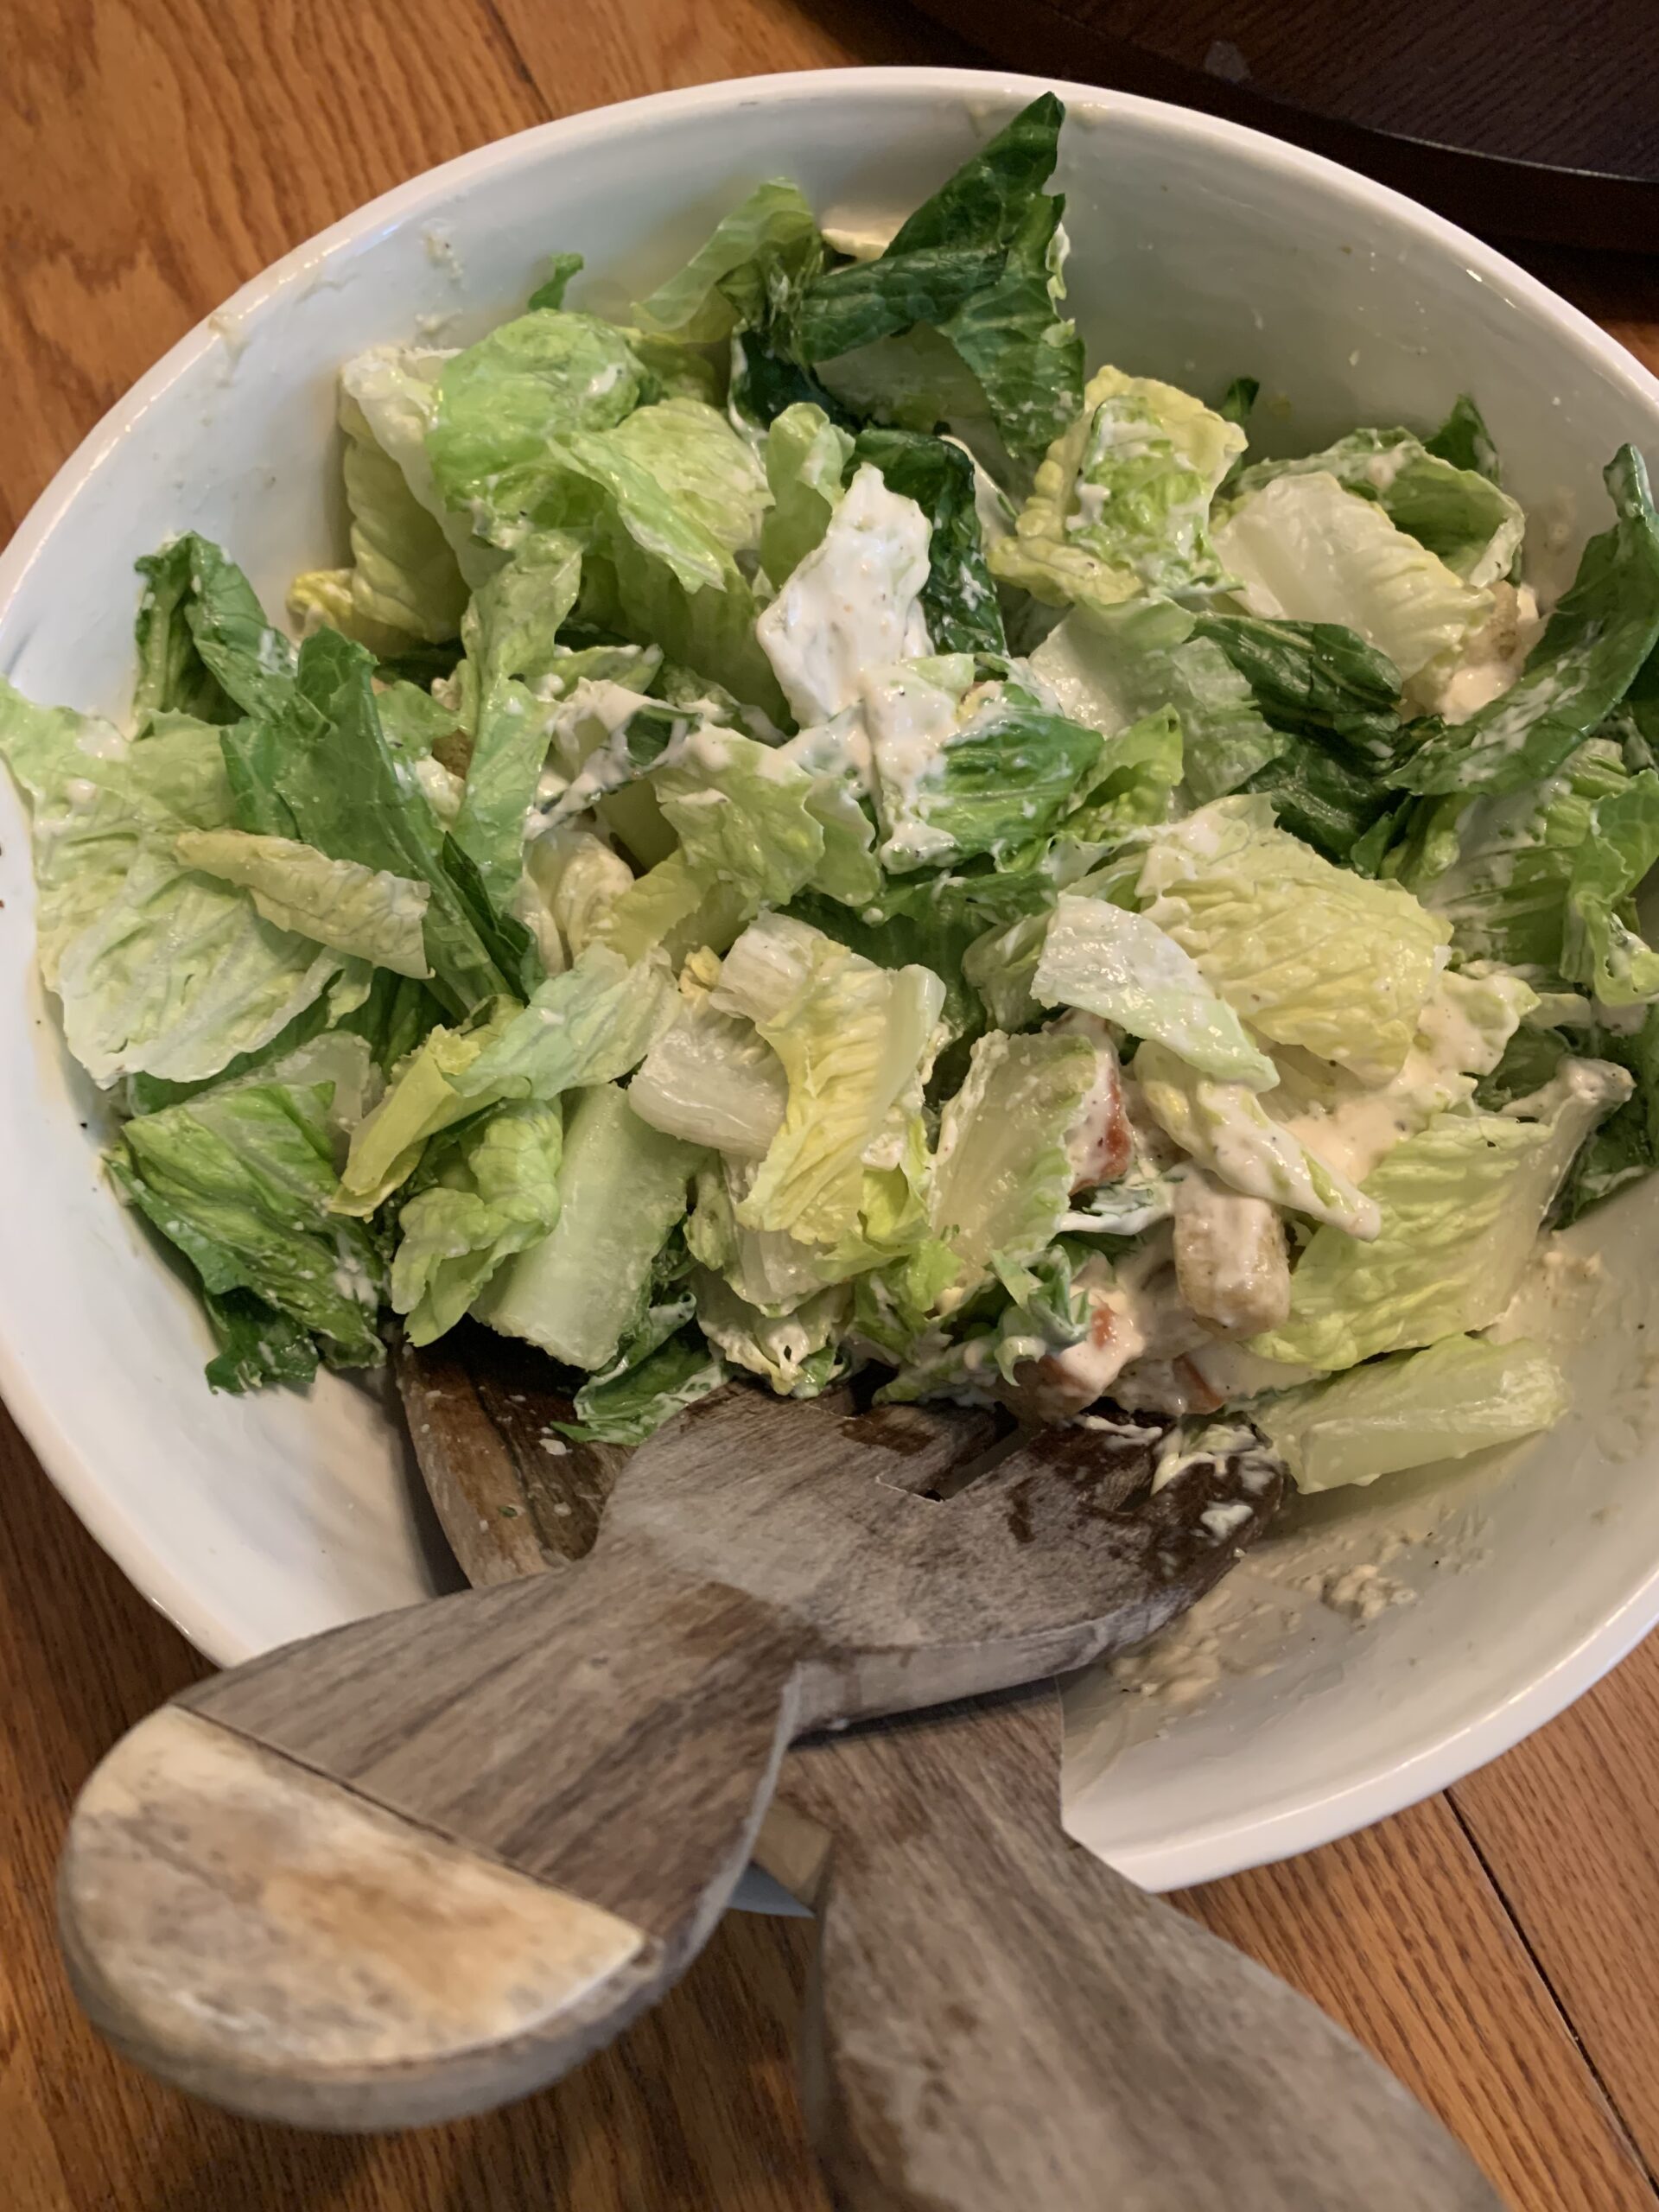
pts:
[427, 1862]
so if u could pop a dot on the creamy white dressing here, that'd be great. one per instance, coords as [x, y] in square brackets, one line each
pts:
[853, 604]
[1489, 661]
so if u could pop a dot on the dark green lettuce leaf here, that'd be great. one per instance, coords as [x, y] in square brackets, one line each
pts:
[959, 598]
[205, 647]
[1463, 440]
[323, 771]
[979, 262]
[1315, 677]
[1593, 646]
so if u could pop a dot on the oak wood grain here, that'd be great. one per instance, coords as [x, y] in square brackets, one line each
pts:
[1568, 1827]
[152, 159]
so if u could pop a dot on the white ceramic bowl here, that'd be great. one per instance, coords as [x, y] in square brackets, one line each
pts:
[1200, 251]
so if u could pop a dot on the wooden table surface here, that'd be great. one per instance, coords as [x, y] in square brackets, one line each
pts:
[1498, 1946]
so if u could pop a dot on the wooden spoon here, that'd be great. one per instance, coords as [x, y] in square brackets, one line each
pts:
[425, 1863]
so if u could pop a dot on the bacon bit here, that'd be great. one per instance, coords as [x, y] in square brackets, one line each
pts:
[1043, 1391]
[1201, 1396]
[1103, 1143]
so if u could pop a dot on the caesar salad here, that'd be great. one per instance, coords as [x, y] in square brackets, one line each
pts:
[816, 834]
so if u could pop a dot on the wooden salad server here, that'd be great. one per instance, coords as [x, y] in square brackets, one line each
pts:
[426, 1863]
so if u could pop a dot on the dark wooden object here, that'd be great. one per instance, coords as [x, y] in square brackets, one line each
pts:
[426, 1863]
[1520, 116]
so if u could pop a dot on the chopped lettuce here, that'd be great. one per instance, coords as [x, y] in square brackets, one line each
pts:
[161, 970]
[853, 1039]
[486, 1191]
[1459, 514]
[1123, 967]
[980, 264]
[806, 458]
[1309, 954]
[365, 911]
[580, 1290]
[404, 583]
[1304, 549]
[1460, 1396]
[770, 237]
[713, 1080]
[1001, 1177]
[587, 1025]
[1121, 502]
[959, 603]
[853, 603]
[1594, 643]
[322, 772]
[743, 814]
[241, 1180]
[1110, 667]
[794, 1351]
[962, 770]
[1461, 1206]
[509, 632]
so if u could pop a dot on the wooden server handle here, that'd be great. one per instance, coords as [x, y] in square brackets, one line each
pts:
[998, 2021]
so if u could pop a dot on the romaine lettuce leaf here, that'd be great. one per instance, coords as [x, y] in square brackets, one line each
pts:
[405, 582]
[1460, 1396]
[1120, 503]
[259, 1346]
[633, 1397]
[743, 814]
[1111, 667]
[580, 1290]
[161, 972]
[1315, 678]
[1498, 865]
[486, 1191]
[979, 261]
[853, 604]
[807, 457]
[1600, 946]
[1463, 440]
[360, 911]
[795, 1351]
[1461, 1204]
[1002, 1176]
[1457, 513]
[961, 772]
[321, 771]
[587, 1025]
[1594, 643]
[1124, 968]
[959, 603]
[1309, 954]
[1303, 548]
[768, 239]
[502, 402]
[572, 881]
[1140, 771]
[714, 1081]
[1625, 1146]
[509, 631]
[853, 1039]
[662, 503]
[204, 648]
[672, 907]
[1225, 1128]
[241, 1180]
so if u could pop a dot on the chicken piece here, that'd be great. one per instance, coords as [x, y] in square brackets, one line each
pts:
[1062, 1384]
[1231, 1261]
